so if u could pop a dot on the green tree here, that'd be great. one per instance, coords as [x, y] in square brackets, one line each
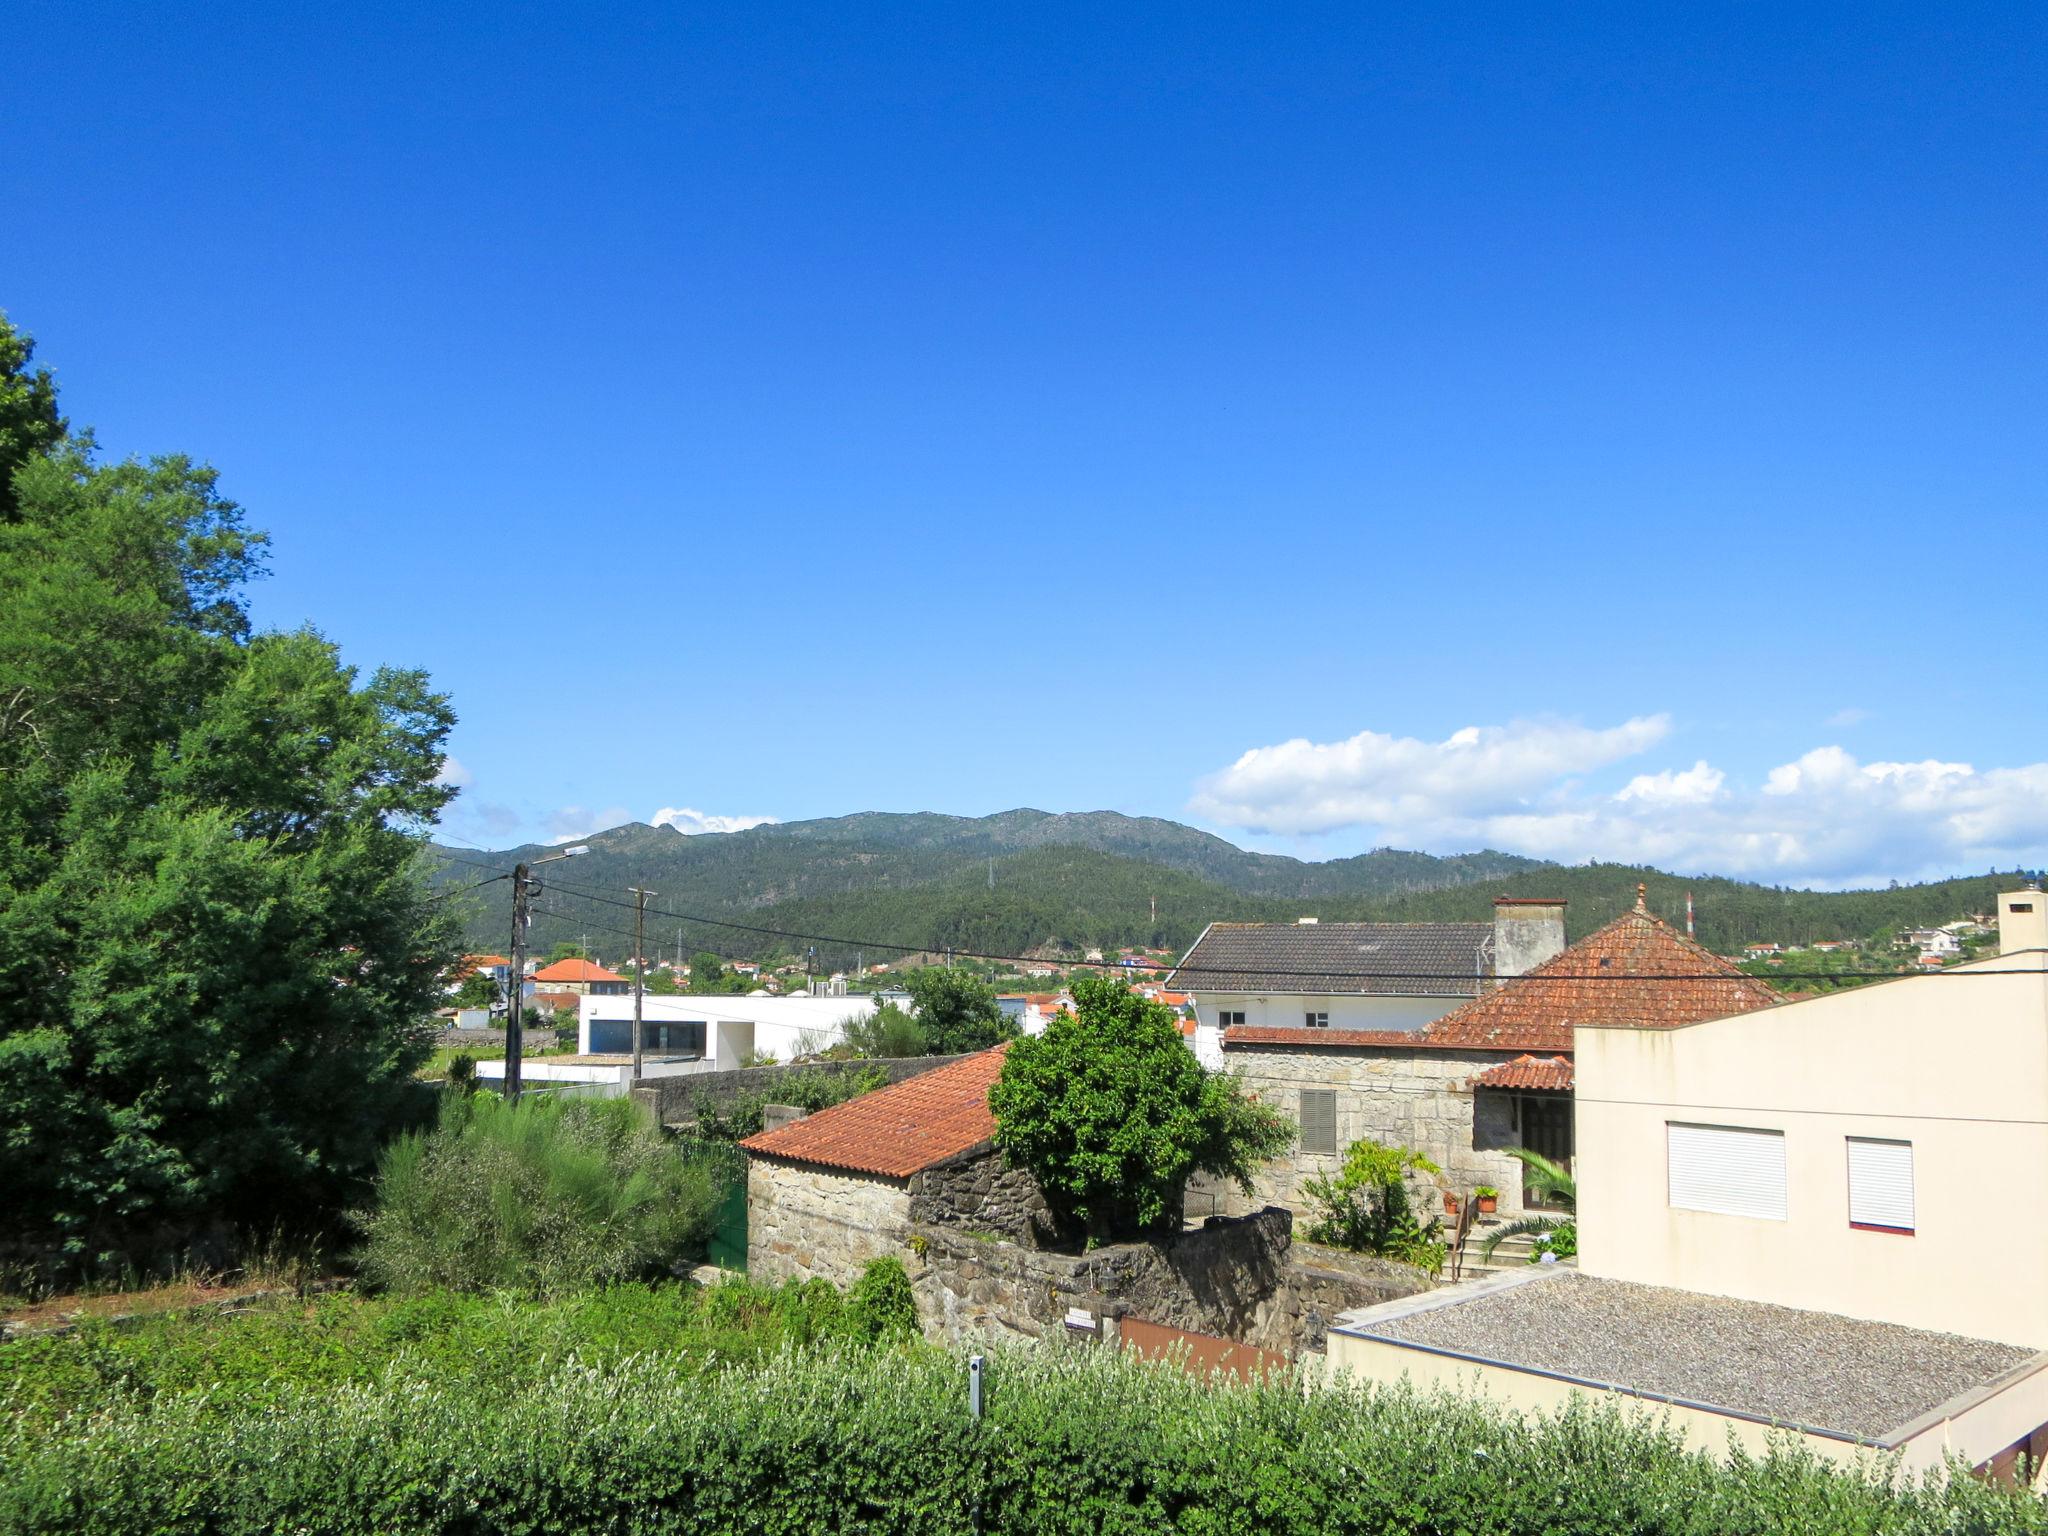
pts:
[956, 1009]
[29, 423]
[568, 949]
[710, 978]
[217, 957]
[884, 1032]
[663, 984]
[478, 990]
[1112, 1114]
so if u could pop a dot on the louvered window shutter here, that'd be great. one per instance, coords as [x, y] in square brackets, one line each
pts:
[1881, 1184]
[1318, 1120]
[1729, 1170]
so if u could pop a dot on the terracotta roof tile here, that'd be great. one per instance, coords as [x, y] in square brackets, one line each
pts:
[1552, 1074]
[1636, 972]
[899, 1130]
[575, 970]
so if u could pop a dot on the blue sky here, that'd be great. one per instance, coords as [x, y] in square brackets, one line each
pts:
[1601, 431]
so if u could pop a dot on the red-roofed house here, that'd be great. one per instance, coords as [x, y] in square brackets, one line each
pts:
[582, 976]
[833, 1190]
[1494, 1072]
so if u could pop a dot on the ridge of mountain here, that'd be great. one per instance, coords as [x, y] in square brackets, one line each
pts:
[1027, 882]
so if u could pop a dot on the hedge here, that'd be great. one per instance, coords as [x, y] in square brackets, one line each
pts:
[1074, 1441]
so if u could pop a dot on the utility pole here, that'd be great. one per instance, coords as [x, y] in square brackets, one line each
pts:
[639, 974]
[523, 888]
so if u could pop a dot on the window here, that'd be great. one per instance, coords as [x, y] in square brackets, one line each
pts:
[1319, 1120]
[1725, 1169]
[1880, 1185]
[1227, 1020]
[1318, 1021]
[672, 1038]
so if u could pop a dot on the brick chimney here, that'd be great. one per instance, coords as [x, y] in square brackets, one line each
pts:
[1526, 932]
[2022, 921]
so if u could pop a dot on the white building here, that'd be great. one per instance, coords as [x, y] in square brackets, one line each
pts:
[683, 1035]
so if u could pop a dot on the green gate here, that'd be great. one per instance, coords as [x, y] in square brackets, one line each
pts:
[727, 1246]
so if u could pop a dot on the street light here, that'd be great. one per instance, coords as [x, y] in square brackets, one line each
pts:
[523, 887]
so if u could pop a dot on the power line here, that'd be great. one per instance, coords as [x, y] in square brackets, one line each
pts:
[1217, 970]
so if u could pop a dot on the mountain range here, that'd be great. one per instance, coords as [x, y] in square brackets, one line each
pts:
[1034, 883]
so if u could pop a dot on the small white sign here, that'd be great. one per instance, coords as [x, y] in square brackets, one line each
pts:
[1079, 1318]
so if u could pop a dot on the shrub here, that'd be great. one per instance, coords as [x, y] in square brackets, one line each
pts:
[546, 1197]
[1367, 1208]
[808, 1088]
[1112, 1114]
[1074, 1441]
[886, 1031]
[881, 1304]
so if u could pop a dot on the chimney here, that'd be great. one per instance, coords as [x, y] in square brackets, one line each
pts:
[2022, 921]
[1526, 932]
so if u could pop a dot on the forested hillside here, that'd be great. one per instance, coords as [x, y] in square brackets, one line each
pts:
[1010, 885]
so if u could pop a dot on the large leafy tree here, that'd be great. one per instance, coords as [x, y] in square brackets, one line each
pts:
[216, 953]
[1112, 1114]
[29, 423]
[955, 1009]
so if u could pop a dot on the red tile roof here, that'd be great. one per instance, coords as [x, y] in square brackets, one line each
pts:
[1552, 1074]
[559, 1001]
[575, 970]
[1636, 972]
[899, 1130]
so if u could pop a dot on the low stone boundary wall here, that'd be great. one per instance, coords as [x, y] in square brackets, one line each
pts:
[1236, 1277]
[674, 1099]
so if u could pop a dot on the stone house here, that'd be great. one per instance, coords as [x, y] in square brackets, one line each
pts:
[830, 1192]
[1492, 1073]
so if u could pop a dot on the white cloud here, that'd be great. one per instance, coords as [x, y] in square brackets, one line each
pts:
[1842, 719]
[453, 772]
[683, 819]
[1825, 818]
[1302, 787]
[573, 823]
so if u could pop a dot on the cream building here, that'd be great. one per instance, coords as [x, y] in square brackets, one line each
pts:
[1871, 1152]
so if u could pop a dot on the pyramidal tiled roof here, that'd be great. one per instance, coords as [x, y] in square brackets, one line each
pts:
[899, 1130]
[1636, 972]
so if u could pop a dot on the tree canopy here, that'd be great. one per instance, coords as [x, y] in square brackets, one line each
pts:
[217, 953]
[956, 1010]
[1112, 1114]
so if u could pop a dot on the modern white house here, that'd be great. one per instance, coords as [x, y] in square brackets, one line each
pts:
[684, 1035]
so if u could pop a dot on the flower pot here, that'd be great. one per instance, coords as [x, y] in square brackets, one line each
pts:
[1450, 1205]
[1488, 1204]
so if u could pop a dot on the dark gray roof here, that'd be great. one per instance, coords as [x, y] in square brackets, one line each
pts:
[1372, 959]
[1815, 1370]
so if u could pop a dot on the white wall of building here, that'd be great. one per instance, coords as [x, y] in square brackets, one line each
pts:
[1290, 1010]
[782, 1026]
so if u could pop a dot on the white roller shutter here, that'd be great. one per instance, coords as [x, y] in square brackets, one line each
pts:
[1727, 1169]
[1881, 1184]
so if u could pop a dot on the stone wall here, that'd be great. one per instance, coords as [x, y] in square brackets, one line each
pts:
[1405, 1098]
[977, 1193]
[674, 1099]
[1234, 1277]
[814, 1223]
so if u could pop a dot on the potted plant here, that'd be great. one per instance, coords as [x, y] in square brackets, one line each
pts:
[1488, 1198]
[1450, 1203]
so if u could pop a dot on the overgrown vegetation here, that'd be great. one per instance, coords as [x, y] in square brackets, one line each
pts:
[546, 1197]
[738, 1116]
[1367, 1207]
[1555, 1185]
[1112, 1114]
[883, 1032]
[263, 1356]
[217, 955]
[1074, 1442]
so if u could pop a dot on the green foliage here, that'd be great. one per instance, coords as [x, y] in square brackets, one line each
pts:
[216, 958]
[955, 1010]
[885, 1032]
[478, 990]
[568, 949]
[543, 1197]
[846, 1438]
[1112, 1114]
[1367, 1207]
[735, 1117]
[881, 1304]
[709, 977]
[1550, 1182]
[663, 984]
[29, 423]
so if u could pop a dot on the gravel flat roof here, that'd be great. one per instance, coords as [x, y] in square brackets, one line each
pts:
[1812, 1369]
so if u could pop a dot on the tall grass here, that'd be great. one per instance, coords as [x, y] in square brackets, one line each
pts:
[545, 1197]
